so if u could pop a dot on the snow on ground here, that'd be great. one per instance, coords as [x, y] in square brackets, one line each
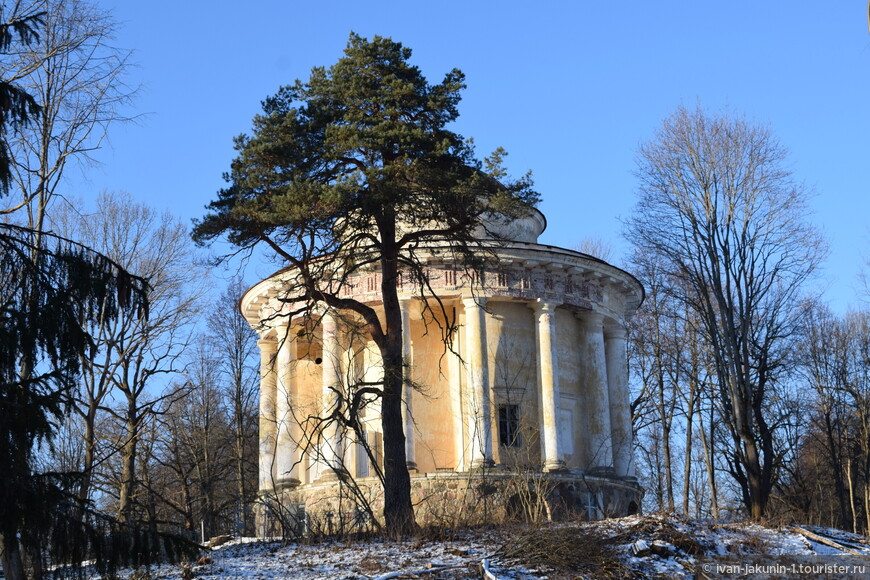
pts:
[632, 547]
[345, 559]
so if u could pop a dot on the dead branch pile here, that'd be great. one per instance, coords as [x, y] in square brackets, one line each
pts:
[565, 549]
[663, 531]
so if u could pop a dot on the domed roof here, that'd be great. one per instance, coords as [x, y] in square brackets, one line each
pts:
[524, 229]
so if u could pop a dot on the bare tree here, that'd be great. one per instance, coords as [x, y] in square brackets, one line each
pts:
[200, 422]
[827, 480]
[235, 346]
[77, 75]
[653, 346]
[46, 79]
[717, 206]
[824, 352]
[133, 353]
[596, 247]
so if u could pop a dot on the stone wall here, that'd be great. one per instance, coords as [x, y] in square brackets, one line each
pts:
[449, 499]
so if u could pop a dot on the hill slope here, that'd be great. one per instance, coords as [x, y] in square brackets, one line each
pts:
[632, 547]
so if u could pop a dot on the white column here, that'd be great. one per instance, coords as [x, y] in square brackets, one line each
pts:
[596, 389]
[286, 452]
[454, 372]
[477, 369]
[408, 390]
[620, 406]
[331, 365]
[268, 349]
[548, 383]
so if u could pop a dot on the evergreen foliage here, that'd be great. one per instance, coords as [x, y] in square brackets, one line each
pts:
[109, 544]
[48, 293]
[360, 144]
[51, 288]
[16, 105]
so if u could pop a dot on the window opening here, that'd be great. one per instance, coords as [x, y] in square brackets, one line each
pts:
[509, 425]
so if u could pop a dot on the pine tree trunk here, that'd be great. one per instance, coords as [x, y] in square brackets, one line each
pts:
[398, 511]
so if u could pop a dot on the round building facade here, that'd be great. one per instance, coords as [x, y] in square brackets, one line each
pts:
[525, 407]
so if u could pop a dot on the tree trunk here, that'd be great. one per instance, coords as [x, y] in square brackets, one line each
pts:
[398, 510]
[13, 568]
[747, 427]
[240, 459]
[666, 442]
[669, 479]
[708, 462]
[128, 465]
[865, 448]
[658, 472]
[687, 471]
[755, 494]
[836, 464]
[852, 496]
[866, 508]
[87, 462]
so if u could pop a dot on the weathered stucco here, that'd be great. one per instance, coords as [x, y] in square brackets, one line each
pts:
[539, 354]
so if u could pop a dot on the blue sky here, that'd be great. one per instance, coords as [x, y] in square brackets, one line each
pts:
[568, 88]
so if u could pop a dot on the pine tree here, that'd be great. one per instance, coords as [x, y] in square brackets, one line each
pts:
[356, 168]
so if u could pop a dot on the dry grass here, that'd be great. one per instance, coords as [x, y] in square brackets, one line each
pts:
[753, 543]
[572, 549]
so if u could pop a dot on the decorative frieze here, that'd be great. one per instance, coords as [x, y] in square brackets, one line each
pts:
[522, 279]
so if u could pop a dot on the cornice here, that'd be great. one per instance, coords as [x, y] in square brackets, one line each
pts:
[516, 270]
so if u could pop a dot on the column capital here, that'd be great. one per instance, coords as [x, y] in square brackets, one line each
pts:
[615, 330]
[327, 317]
[474, 301]
[542, 306]
[590, 317]
[411, 307]
[267, 342]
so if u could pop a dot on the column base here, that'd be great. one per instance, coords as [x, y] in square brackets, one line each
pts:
[330, 475]
[554, 466]
[286, 483]
[412, 467]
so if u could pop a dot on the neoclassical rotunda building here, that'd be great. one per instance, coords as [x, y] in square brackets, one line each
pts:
[533, 387]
